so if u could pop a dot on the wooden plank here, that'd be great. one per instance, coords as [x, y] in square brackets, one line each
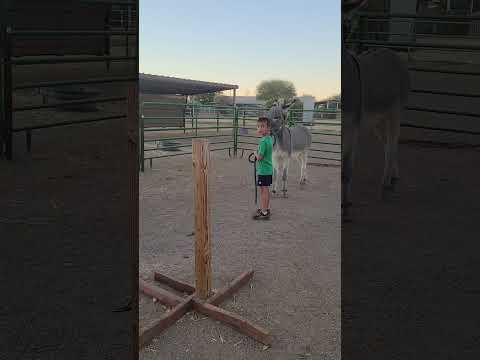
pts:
[223, 294]
[203, 268]
[174, 284]
[167, 320]
[163, 296]
[234, 321]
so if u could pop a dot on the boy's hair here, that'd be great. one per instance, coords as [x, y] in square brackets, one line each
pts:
[264, 119]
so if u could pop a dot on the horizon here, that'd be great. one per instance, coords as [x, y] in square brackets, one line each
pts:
[214, 44]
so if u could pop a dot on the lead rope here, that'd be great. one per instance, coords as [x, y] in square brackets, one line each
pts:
[253, 161]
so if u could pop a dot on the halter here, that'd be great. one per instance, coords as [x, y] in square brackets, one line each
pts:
[272, 134]
[274, 138]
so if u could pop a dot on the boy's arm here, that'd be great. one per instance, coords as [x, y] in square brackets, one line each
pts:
[261, 151]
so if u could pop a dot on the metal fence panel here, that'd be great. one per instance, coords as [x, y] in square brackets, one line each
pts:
[167, 130]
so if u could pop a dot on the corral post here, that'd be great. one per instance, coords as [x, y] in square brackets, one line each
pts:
[3, 128]
[133, 205]
[193, 114]
[142, 139]
[196, 121]
[7, 94]
[185, 115]
[203, 269]
[235, 130]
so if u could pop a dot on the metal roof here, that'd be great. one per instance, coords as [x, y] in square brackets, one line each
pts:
[166, 85]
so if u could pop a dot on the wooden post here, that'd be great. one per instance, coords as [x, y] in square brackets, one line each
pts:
[203, 269]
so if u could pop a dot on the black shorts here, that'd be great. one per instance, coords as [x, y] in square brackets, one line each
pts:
[264, 180]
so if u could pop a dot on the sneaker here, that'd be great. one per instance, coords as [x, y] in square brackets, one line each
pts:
[259, 215]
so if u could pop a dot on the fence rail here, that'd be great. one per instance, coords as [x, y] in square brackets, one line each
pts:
[168, 128]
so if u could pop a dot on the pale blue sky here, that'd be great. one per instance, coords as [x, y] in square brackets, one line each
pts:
[244, 42]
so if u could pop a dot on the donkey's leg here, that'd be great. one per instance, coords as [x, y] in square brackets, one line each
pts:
[277, 165]
[390, 153]
[387, 166]
[392, 132]
[298, 157]
[349, 148]
[303, 166]
[286, 163]
[346, 174]
[274, 179]
[397, 117]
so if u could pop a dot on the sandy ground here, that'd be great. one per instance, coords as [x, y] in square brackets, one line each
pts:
[295, 292]
[409, 275]
[64, 244]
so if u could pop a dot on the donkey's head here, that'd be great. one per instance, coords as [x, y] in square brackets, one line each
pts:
[280, 108]
[278, 114]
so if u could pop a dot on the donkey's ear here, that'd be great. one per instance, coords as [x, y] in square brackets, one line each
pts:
[289, 104]
[349, 6]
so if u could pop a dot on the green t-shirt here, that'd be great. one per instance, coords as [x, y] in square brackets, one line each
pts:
[264, 166]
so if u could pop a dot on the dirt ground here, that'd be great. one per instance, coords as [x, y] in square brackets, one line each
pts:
[65, 247]
[295, 291]
[409, 270]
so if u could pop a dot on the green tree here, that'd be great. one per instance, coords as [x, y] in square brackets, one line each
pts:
[296, 112]
[272, 90]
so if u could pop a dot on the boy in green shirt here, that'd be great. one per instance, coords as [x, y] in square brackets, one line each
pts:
[264, 167]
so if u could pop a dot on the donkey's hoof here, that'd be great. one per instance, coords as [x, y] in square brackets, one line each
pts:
[346, 217]
[346, 205]
[394, 184]
[386, 193]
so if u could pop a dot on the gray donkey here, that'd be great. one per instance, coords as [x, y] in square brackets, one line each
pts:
[375, 87]
[287, 143]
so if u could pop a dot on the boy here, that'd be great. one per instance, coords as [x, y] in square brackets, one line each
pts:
[264, 168]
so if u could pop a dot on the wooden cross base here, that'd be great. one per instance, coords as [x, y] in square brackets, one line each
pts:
[180, 306]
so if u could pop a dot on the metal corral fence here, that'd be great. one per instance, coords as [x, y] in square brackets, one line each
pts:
[325, 129]
[437, 48]
[42, 57]
[167, 130]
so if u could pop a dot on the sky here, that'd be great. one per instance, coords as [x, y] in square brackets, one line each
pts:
[244, 42]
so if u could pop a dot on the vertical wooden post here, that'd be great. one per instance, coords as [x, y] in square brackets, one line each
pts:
[203, 269]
